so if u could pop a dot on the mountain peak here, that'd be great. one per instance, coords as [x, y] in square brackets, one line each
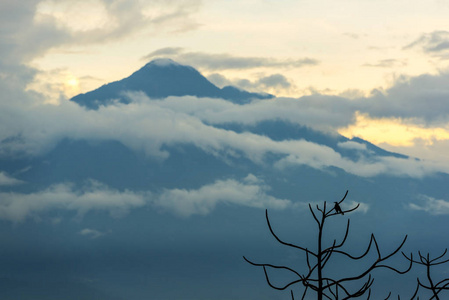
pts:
[163, 62]
[162, 78]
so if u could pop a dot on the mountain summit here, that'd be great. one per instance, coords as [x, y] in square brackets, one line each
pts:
[161, 78]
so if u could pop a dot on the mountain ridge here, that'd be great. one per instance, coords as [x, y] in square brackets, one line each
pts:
[161, 78]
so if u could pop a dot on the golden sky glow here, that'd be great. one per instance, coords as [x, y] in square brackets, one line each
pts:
[355, 48]
[393, 131]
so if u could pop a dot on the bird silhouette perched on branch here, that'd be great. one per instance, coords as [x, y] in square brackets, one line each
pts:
[313, 277]
[338, 208]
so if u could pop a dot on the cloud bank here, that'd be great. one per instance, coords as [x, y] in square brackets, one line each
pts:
[250, 192]
[94, 196]
[147, 125]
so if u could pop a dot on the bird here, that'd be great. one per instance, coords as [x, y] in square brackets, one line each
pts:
[338, 209]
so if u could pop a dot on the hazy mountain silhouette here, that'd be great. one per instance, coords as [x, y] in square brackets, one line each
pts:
[113, 163]
[161, 78]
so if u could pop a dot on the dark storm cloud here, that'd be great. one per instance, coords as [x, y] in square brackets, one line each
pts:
[226, 61]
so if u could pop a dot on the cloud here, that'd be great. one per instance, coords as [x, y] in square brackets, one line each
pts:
[147, 126]
[352, 35]
[6, 180]
[322, 157]
[387, 63]
[275, 80]
[17, 207]
[167, 51]
[251, 192]
[19, 31]
[352, 146]
[423, 98]
[49, 24]
[220, 80]
[363, 207]
[30, 128]
[431, 205]
[274, 83]
[226, 61]
[31, 28]
[435, 43]
[91, 233]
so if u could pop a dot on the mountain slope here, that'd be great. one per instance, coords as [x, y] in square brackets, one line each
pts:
[161, 78]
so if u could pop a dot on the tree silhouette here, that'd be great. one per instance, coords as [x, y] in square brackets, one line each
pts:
[435, 288]
[313, 278]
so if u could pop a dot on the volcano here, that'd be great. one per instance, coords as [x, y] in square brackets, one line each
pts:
[161, 78]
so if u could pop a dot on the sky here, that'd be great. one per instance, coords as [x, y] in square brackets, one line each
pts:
[352, 49]
[375, 70]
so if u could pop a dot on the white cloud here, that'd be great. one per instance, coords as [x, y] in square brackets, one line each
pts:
[320, 112]
[226, 61]
[17, 207]
[6, 180]
[251, 192]
[431, 205]
[147, 125]
[322, 158]
[276, 84]
[91, 233]
[352, 145]
[363, 207]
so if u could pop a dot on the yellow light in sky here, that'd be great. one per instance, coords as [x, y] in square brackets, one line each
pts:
[72, 82]
[393, 131]
[71, 86]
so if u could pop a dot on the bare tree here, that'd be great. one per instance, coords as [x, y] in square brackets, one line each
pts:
[313, 278]
[435, 288]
